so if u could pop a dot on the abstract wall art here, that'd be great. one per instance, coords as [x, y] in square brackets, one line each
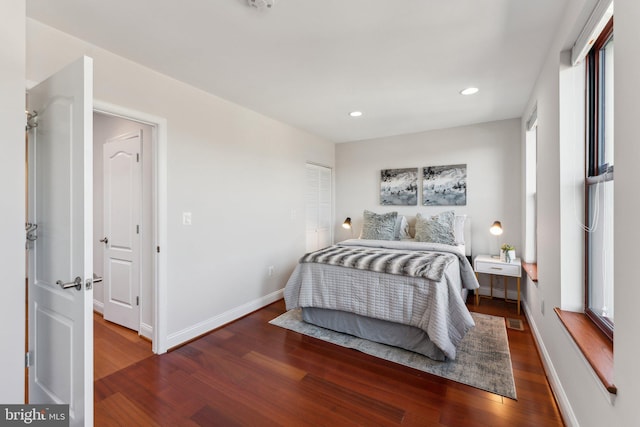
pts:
[399, 187]
[444, 185]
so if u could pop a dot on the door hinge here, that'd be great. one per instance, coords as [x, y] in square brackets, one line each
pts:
[138, 157]
[32, 120]
[27, 359]
[158, 249]
[137, 229]
[137, 300]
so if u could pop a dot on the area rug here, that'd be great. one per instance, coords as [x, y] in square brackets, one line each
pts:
[483, 359]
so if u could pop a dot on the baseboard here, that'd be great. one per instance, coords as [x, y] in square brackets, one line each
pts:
[568, 416]
[98, 306]
[146, 331]
[208, 325]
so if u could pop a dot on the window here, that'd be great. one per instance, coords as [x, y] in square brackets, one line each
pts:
[531, 142]
[599, 182]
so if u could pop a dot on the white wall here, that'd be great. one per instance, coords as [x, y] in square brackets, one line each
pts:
[583, 399]
[239, 173]
[627, 206]
[12, 202]
[106, 127]
[491, 152]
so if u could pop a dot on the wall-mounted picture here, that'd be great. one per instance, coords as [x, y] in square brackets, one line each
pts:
[444, 185]
[399, 187]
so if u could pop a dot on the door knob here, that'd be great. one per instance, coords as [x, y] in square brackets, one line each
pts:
[105, 240]
[77, 283]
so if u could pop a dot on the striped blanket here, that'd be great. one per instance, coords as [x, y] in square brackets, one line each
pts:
[430, 265]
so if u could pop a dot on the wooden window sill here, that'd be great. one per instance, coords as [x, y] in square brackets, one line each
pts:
[531, 269]
[593, 343]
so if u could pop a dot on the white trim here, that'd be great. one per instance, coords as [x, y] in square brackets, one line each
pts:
[533, 119]
[212, 323]
[592, 29]
[146, 331]
[98, 306]
[159, 125]
[568, 416]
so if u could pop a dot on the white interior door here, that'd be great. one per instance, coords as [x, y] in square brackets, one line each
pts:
[318, 209]
[122, 213]
[60, 203]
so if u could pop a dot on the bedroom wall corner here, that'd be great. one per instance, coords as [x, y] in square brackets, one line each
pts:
[490, 150]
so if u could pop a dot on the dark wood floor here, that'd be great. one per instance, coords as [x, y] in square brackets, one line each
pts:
[115, 347]
[251, 373]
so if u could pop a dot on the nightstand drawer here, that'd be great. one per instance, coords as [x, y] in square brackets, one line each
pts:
[502, 269]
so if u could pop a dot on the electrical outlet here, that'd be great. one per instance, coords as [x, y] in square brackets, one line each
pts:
[270, 270]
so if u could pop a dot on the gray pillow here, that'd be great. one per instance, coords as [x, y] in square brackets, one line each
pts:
[436, 229]
[379, 226]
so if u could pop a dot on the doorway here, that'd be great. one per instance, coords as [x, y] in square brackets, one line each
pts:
[155, 257]
[123, 221]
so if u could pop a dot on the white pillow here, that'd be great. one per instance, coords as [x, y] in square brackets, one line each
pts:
[458, 229]
[402, 228]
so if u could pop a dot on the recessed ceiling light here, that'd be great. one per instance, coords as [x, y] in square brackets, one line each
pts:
[469, 91]
[355, 113]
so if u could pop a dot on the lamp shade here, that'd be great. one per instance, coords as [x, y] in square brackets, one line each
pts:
[496, 228]
[347, 223]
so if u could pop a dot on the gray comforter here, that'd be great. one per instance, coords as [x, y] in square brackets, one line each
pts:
[436, 307]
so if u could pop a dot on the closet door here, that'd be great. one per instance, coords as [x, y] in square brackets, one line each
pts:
[318, 207]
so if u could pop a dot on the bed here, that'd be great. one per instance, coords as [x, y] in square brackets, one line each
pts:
[405, 292]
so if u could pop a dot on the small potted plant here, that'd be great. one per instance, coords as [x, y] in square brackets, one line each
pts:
[507, 252]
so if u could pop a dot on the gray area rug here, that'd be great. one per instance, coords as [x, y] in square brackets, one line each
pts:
[483, 359]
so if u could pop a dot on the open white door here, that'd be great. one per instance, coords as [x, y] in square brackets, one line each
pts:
[60, 204]
[122, 204]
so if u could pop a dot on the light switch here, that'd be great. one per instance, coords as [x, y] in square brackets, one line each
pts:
[186, 218]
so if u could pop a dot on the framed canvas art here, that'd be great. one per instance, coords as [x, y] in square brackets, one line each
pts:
[399, 187]
[444, 185]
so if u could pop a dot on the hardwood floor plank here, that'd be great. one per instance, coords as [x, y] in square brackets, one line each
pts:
[352, 403]
[117, 410]
[281, 368]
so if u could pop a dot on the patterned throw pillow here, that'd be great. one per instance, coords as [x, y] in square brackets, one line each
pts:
[379, 226]
[436, 229]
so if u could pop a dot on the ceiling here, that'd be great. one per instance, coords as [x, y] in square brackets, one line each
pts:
[309, 63]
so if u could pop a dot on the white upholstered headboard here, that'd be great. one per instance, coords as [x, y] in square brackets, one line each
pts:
[467, 236]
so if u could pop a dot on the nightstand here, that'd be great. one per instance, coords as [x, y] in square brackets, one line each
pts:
[494, 267]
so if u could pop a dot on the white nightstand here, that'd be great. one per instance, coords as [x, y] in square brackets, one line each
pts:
[494, 267]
